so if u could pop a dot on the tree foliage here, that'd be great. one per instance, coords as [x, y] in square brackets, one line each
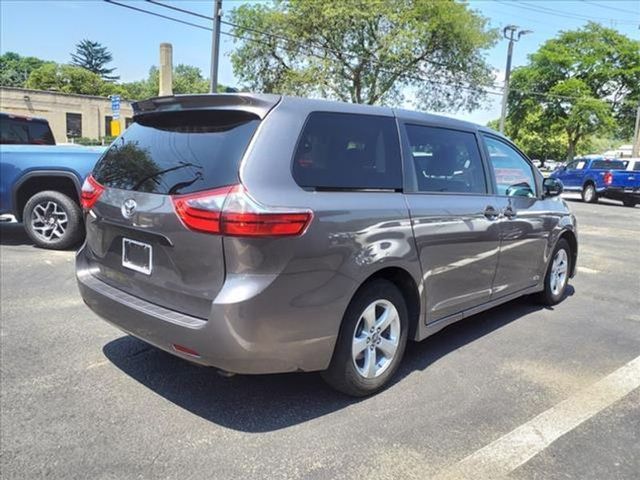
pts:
[186, 79]
[15, 69]
[70, 79]
[583, 83]
[365, 51]
[94, 57]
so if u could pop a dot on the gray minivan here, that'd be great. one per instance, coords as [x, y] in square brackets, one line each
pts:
[262, 233]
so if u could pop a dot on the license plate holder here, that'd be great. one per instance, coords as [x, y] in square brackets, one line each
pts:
[137, 256]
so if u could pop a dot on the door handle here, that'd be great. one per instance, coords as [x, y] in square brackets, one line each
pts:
[509, 212]
[490, 212]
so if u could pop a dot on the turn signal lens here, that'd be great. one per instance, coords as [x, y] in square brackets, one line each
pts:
[231, 211]
[91, 191]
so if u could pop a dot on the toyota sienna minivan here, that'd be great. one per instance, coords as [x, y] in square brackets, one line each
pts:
[262, 233]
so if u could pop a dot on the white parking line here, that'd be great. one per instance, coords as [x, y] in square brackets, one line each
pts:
[587, 270]
[508, 452]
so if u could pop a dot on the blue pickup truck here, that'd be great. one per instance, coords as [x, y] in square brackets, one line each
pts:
[40, 182]
[587, 175]
[624, 185]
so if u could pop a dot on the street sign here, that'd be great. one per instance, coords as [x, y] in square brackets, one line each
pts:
[115, 128]
[115, 106]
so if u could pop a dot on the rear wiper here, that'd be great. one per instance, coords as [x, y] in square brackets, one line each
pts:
[174, 189]
[162, 172]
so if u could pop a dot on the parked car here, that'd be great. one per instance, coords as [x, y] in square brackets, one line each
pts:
[40, 182]
[586, 175]
[536, 163]
[624, 185]
[20, 130]
[260, 234]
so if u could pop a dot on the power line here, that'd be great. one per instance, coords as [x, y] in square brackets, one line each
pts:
[609, 7]
[560, 13]
[166, 17]
[405, 75]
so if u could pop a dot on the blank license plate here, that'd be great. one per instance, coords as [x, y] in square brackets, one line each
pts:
[137, 256]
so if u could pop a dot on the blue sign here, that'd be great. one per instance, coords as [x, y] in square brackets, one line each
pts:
[115, 106]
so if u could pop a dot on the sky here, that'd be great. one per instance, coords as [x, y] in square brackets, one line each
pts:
[49, 29]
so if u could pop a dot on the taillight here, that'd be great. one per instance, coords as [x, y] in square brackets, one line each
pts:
[608, 178]
[231, 211]
[91, 191]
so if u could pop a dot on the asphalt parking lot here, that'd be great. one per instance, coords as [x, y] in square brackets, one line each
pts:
[80, 399]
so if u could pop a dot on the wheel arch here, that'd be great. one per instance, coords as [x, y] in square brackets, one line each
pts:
[405, 282]
[40, 180]
[572, 240]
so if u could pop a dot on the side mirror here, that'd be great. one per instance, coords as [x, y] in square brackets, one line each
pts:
[552, 187]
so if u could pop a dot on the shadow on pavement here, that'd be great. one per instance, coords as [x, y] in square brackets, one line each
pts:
[601, 202]
[13, 234]
[271, 402]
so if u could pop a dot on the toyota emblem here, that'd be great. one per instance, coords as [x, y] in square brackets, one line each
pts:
[128, 208]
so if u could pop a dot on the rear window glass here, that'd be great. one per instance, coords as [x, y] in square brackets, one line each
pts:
[446, 160]
[18, 131]
[346, 151]
[636, 165]
[608, 165]
[179, 152]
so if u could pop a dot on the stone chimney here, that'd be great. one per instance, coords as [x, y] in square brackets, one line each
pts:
[166, 69]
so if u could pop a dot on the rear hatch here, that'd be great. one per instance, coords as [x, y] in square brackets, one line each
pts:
[135, 240]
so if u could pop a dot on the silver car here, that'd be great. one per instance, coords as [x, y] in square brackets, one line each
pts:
[261, 234]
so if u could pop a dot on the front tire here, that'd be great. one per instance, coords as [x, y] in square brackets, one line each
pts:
[371, 342]
[629, 203]
[557, 277]
[589, 194]
[53, 220]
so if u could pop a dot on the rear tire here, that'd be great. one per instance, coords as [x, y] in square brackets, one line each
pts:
[557, 276]
[589, 194]
[53, 220]
[371, 342]
[629, 203]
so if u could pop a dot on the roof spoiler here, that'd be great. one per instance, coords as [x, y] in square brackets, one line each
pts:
[259, 105]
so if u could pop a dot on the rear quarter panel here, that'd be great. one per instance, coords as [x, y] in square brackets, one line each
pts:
[303, 285]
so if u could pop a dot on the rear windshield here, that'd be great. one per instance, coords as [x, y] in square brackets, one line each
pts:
[21, 131]
[608, 165]
[178, 152]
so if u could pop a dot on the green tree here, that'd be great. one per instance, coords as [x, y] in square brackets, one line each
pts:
[186, 79]
[365, 51]
[94, 57]
[15, 69]
[70, 79]
[581, 83]
[534, 137]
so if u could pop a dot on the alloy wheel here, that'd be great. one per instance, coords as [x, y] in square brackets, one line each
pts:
[49, 221]
[376, 339]
[559, 270]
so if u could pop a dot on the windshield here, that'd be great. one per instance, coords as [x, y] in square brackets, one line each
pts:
[178, 152]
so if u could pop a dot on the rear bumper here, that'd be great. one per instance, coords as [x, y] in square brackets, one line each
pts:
[620, 193]
[226, 340]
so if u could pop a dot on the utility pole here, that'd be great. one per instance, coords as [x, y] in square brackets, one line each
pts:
[215, 45]
[509, 32]
[635, 152]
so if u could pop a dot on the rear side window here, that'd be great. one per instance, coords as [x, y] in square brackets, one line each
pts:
[446, 160]
[19, 131]
[346, 151]
[608, 165]
[178, 152]
[636, 166]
